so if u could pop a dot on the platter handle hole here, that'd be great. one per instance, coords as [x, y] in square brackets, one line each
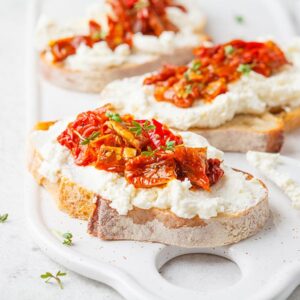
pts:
[201, 272]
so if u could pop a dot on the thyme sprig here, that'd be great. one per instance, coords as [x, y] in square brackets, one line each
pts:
[48, 276]
[170, 146]
[67, 238]
[114, 116]
[93, 136]
[150, 152]
[138, 128]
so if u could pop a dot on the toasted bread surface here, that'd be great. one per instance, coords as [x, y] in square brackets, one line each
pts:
[155, 225]
[290, 119]
[93, 81]
[247, 132]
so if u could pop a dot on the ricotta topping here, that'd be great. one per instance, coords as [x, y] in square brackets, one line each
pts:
[269, 165]
[232, 193]
[251, 94]
[145, 47]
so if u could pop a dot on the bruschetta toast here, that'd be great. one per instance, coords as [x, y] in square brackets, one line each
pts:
[119, 38]
[135, 179]
[239, 95]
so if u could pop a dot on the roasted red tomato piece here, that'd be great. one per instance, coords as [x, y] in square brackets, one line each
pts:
[192, 165]
[213, 69]
[214, 171]
[147, 172]
[161, 135]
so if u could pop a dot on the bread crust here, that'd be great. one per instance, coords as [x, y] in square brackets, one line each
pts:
[263, 133]
[290, 119]
[154, 225]
[93, 81]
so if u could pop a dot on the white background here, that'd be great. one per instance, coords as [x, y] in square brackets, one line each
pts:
[21, 261]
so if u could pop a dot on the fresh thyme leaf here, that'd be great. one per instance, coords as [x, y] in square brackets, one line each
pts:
[113, 116]
[138, 128]
[170, 145]
[87, 140]
[67, 238]
[196, 65]
[188, 89]
[149, 152]
[3, 218]
[244, 68]
[148, 126]
[229, 49]
[239, 19]
[187, 76]
[48, 276]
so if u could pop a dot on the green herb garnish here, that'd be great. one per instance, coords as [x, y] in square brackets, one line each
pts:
[228, 49]
[67, 238]
[113, 116]
[188, 89]
[3, 218]
[239, 19]
[196, 65]
[138, 128]
[170, 145]
[150, 152]
[86, 141]
[244, 68]
[187, 75]
[48, 276]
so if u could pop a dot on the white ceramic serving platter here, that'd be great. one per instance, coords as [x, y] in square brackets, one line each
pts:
[269, 263]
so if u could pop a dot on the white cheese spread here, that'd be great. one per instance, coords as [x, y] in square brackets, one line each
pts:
[145, 47]
[269, 165]
[232, 193]
[251, 94]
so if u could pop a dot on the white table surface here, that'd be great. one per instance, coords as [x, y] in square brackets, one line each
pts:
[21, 261]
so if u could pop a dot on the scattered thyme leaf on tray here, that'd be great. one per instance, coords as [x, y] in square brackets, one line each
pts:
[48, 276]
[67, 238]
[3, 218]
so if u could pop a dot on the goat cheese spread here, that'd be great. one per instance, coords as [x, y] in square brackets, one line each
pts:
[231, 194]
[251, 94]
[268, 164]
[145, 47]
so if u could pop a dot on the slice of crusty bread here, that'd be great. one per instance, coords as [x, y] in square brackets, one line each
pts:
[93, 81]
[264, 133]
[247, 132]
[155, 225]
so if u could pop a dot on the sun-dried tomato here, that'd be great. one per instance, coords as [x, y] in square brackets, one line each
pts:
[214, 171]
[192, 164]
[213, 69]
[146, 172]
[146, 152]
[129, 17]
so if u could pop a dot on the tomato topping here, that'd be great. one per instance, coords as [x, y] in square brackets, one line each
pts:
[192, 164]
[145, 172]
[213, 69]
[129, 16]
[146, 152]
